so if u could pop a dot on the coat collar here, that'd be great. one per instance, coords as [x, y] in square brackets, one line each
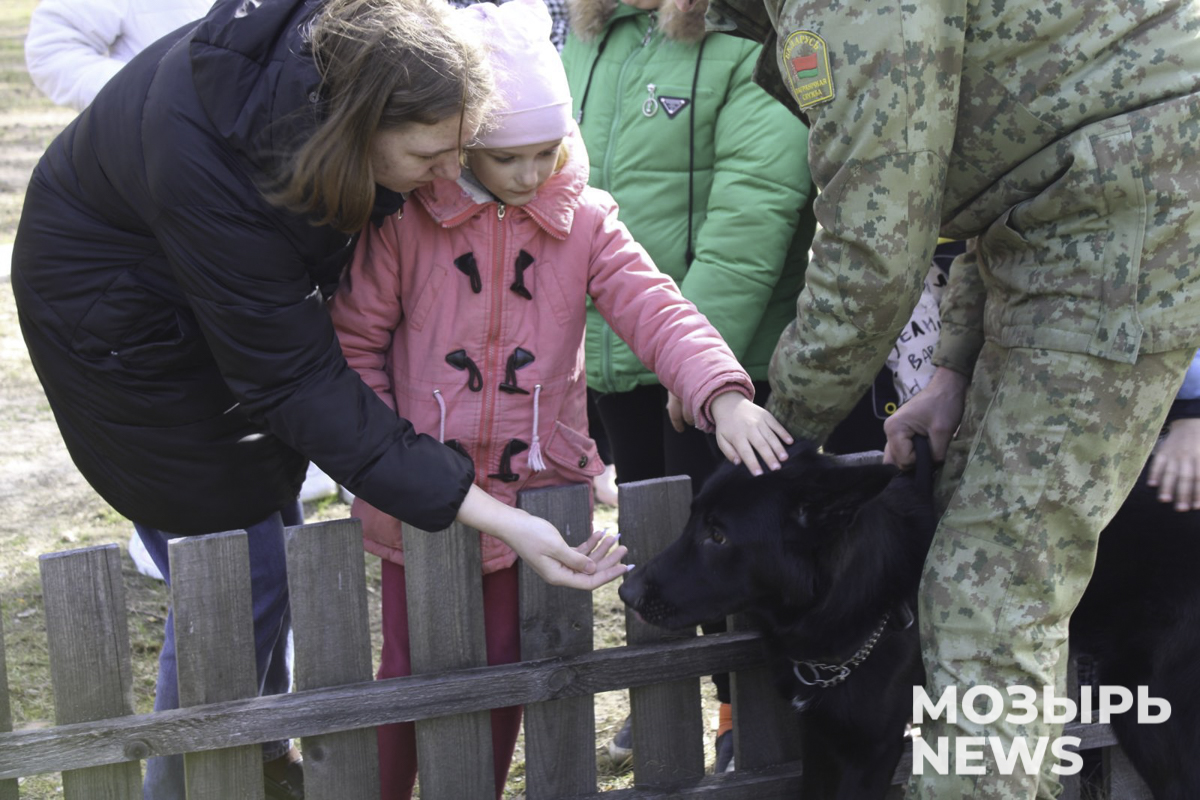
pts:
[451, 203]
[589, 18]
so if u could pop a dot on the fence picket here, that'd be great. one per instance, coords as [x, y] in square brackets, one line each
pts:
[668, 730]
[445, 630]
[560, 735]
[765, 728]
[90, 666]
[8, 789]
[214, 644]
[327, 586]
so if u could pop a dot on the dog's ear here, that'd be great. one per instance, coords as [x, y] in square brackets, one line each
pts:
[829, 499]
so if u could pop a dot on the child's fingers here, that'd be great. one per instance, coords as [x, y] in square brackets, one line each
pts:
[780, 431]
[766, 448]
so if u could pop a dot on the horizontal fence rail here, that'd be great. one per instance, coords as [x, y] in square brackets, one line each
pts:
[97, 743]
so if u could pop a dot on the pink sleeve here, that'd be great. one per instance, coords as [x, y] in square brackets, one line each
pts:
[366, 308]
[663, 328]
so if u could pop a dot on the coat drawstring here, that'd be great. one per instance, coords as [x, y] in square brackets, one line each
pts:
[437, 395]
[535, 450]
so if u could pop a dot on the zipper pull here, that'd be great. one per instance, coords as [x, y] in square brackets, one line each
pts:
[500, 211]
[650, 106]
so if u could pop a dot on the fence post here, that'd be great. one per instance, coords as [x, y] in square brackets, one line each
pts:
[214, 647]
[560, 736]
[1121, 780]
[443, 573]
[90, 666]
[328, 591]
[8, 788]
[766, 730]
[668, 730]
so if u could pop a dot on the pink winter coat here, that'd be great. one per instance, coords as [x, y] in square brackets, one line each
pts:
[467, 317]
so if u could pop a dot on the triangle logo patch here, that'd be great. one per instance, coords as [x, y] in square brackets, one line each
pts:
[673, 105]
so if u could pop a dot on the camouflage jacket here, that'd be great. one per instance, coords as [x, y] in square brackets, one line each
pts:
[1064, 138]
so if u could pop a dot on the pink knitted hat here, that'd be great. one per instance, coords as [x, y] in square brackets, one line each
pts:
[534, 100]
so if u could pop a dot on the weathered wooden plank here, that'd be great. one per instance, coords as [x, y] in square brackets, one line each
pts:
[8, 789]
[1121, 781]
[781, 782]
[214, 643]
[332, 637]
[90, 666]
[445, 624]
[766, 730]
[306, 713]
[560, 736]
[668, 731]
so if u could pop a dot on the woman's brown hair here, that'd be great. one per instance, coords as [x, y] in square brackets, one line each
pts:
[383, 64]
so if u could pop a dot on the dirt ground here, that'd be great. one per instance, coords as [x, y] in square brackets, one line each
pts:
[45, 505]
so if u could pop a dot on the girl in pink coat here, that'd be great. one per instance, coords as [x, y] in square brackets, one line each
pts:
[466, 313]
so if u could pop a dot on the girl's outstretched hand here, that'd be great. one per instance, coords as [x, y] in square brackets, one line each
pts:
[746, 432]
[592, 564]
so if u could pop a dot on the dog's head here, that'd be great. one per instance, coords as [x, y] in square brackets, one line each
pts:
[767, 542]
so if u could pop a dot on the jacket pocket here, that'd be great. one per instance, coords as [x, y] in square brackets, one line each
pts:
[426, 298]
[573, 453]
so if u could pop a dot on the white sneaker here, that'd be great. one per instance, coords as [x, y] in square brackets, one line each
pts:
[141, 558]
[316, 485]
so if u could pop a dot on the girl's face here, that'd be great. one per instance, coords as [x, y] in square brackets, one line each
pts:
[412, 155]
[514, 174]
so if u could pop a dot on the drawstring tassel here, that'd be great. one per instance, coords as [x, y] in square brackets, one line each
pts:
[535, 450]
[437, 395]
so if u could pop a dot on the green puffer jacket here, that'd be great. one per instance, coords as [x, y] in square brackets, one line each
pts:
[750, 187]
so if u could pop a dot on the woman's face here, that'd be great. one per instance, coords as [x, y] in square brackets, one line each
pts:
[412, 155]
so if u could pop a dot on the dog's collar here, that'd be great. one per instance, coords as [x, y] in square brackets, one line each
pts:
[810, 673]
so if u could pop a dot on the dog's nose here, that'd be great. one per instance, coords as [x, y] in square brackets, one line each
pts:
[633, 588]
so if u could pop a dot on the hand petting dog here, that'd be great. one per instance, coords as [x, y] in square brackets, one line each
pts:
[745, 432]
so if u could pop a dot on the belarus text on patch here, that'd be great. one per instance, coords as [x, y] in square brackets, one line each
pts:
[805, 65]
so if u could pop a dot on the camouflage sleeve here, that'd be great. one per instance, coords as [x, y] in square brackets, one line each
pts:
[879, 83]
[961, 311]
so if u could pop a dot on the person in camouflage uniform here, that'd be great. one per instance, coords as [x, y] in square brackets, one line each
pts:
[1063, 139]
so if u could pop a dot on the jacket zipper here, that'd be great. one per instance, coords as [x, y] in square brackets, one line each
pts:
[651, 29]
[493, 337]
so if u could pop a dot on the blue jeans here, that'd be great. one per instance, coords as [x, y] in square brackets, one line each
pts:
[272, 637]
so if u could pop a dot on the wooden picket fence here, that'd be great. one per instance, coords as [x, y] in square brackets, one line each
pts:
[97, 743]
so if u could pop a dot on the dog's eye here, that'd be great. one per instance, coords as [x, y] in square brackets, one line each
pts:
[717, 537]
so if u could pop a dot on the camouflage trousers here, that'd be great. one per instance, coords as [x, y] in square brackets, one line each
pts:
[1050, 444]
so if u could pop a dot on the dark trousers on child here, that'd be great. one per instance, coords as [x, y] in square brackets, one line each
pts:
[502, 627]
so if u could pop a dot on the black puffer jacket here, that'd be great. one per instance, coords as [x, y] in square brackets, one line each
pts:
[177, 321]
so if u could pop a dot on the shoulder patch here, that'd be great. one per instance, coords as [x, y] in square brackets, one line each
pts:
[804, 62]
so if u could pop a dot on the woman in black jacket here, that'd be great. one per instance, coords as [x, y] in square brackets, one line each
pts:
[178, 243]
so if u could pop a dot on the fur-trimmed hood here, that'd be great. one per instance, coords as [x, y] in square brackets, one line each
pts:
[589, 18]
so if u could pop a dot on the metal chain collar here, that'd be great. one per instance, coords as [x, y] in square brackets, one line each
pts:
[840, 671]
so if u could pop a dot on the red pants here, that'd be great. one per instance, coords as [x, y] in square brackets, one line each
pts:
[502, 626]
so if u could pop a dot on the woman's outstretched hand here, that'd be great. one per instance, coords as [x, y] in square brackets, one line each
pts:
[588, 566]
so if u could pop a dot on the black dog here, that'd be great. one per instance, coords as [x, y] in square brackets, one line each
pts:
[825, 559]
